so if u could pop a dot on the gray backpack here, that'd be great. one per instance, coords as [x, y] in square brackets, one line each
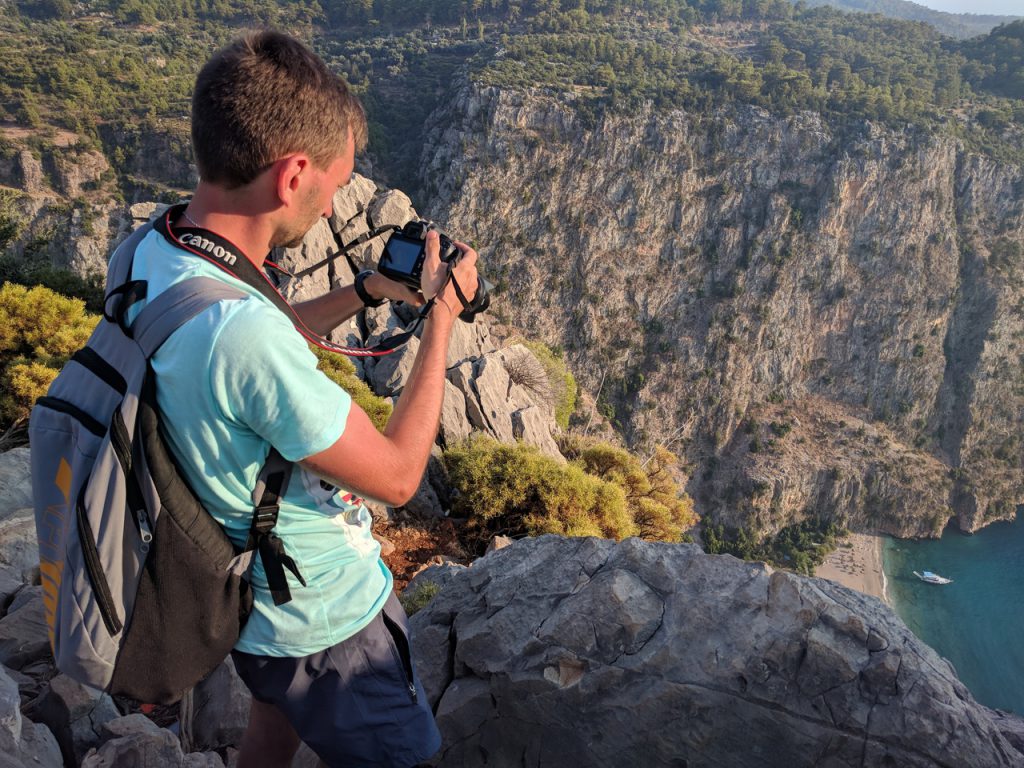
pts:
[144, 593]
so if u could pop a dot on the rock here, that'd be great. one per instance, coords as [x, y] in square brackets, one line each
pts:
[15, 481]
[19, 545]
[129, 725]
[10, 712]
[148, 748]
[597, 645]
[23, 631]
[140, 213]
[498, 542]
[468, 342]
[390, 372]
[221, 706]
[387, 547]
[437, 573]
[533, 426]
[455, 424]
[496, 388]
[350, 201]
[10, 584]
[39, 747]
[318, 244]
[461, 378]
[76, 714]
[426, 503]
[391, 207]
[33, 179]
[76, 171]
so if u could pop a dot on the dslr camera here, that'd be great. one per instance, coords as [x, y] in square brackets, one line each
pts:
[405, 252]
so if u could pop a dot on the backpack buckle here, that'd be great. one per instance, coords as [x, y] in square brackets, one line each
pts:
[264, 518]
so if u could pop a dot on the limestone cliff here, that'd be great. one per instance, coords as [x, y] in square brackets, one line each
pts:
[720, 277]
[584, 652]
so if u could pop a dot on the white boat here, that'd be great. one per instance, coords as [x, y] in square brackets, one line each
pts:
[932, 578]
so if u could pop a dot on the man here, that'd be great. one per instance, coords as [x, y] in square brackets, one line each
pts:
[274, 135]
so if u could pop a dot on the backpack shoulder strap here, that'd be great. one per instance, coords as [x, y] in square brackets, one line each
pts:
[176, 306]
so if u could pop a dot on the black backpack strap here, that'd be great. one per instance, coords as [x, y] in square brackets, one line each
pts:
[271, 485]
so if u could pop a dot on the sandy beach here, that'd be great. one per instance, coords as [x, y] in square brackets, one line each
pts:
[857, 564]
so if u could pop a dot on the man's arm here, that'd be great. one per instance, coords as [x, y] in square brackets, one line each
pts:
[389, 466]
[325, 313]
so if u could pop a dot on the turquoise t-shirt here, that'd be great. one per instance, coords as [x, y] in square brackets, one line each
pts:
[231, 382]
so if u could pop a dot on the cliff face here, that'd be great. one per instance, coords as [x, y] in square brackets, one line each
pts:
[642, 653]
[847, 307]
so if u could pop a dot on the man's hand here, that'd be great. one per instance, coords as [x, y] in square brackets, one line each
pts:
[435, 272]
[380, 287]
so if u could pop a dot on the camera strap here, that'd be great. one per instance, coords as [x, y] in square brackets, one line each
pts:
[224, 254]
[345, 249]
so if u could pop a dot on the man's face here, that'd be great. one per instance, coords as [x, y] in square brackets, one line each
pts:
[317, 197]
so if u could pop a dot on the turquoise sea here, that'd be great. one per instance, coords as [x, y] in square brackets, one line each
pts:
[977, 622]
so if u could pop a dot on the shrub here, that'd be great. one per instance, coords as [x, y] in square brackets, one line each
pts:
[342, 372]
[562, 382]
[417, 599]
[39, 331]
[514, 490]
[660, 509]
[35, 269]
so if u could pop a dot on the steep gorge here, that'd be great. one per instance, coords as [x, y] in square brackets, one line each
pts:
[820, 323]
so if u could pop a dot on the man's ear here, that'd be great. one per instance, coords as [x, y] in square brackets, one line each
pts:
[291, 173]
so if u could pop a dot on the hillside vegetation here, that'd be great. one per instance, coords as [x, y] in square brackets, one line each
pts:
[112, 72]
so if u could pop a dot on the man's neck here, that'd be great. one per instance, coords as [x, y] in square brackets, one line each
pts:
[234, 218]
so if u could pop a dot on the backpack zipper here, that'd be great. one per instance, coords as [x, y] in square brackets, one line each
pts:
[94, 569]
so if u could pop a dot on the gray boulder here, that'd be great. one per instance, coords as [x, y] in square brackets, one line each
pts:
[23, 631]
[508, 397]
[220, 706]
[144, 746]
[391, 207]
[77, 715]
[19, 544]
[642, 653]
[10, 585]
[350, 201]
[455, 424]
[15, 481]
[38, 747]
[10, 712]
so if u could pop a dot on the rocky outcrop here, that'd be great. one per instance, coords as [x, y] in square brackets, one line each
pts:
[584, 652]
[700, 267]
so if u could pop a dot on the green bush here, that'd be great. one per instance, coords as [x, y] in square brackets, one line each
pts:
[39, 331]
[342, 372]
[660, 509]
[515, 490]
[564, 390]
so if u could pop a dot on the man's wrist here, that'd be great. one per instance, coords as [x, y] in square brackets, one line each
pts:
[365, 290]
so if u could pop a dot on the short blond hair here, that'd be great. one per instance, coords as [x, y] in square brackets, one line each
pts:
[265, 96]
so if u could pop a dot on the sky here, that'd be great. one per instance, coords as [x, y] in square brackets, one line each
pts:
[997, 7]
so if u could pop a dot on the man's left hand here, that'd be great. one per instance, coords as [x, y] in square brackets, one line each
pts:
[381, 287]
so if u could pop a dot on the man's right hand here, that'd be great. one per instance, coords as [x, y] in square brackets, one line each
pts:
[435, 272]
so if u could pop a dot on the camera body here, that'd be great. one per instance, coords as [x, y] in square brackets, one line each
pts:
[405, 252]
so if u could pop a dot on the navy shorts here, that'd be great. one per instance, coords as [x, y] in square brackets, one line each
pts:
[357, 703]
